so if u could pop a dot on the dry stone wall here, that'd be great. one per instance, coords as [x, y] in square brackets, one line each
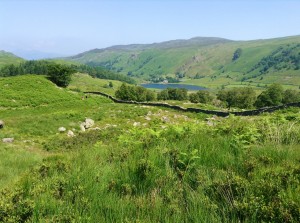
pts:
[198, 110]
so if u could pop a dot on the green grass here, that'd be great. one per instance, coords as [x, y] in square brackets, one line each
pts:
[9, 58]
[16, 160]
[84, 82]
[144, 164]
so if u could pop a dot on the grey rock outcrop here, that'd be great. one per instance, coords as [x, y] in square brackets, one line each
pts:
[89, 123]
[82, 128]
[62, 129]
[70, 133]
[8, 140]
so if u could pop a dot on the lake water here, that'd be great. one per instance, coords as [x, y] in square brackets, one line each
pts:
[164, 86]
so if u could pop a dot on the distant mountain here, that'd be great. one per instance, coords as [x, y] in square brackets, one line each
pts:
[9, 58]
[213, 60]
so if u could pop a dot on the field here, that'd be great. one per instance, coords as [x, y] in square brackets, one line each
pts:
[140, 163]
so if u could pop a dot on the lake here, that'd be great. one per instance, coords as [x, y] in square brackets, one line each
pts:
[164, 86]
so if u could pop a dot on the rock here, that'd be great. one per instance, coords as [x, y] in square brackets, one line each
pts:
[214, 117]
[210, 123]
[88, 123]
[62, 129]
[8, 140]
[147, 118]
[27, 141]
[1, 124]
[149, 113]
[70, 133]
[82, 128]
[165, 119]
[136, 124]
[96, 128]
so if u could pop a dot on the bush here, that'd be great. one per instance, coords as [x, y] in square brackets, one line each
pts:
[271, 97]
[290, 96]
[134, 93]
[179, 94]
[238, 97]
[200, 97]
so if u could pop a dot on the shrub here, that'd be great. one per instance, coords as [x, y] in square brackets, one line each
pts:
[134, 93]
[290, 96]
[238, 97]
[200, 97]
[179, 94]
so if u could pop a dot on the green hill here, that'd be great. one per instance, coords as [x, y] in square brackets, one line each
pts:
[140, 163]
[204, 61]
[8, 58]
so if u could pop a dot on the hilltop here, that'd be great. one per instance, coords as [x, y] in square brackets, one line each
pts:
[8, 58]
[204, 61]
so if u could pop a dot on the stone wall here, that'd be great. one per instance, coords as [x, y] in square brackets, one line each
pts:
[198, 110]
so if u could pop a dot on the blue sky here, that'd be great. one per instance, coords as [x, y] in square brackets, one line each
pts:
[68, 27]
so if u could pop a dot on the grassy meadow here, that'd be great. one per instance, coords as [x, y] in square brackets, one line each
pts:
[140, 163]
[8, 58]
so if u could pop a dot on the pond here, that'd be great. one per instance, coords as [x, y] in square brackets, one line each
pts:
[164, 86]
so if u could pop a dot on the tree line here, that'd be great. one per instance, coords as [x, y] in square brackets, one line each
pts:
[247, 98]
[230, 98]
[44, 67]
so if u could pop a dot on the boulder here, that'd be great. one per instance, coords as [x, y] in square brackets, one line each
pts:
[62, 129]
[88, 123]
[8, 140]
[70, 133]
[165, 119]
[82, 127]
[1, 124]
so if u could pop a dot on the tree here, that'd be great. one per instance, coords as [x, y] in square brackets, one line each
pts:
[194, 98]
[238, 97]
[163, 95]
[134, 93]
[60, 74]
[237, 54]
[110, 84]
[150, 95]
[272, 96]
[200, 97]
[290, 96]
[179, 94]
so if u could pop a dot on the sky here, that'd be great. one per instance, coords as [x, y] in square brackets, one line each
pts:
[68, 27]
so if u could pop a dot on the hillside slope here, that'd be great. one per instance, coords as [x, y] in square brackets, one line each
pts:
[210, 58]
[8, 58]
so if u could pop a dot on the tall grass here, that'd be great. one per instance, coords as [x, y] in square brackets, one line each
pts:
[185, 173]
[239, 169]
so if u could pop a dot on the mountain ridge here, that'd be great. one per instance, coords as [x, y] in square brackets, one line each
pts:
[207, 58]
